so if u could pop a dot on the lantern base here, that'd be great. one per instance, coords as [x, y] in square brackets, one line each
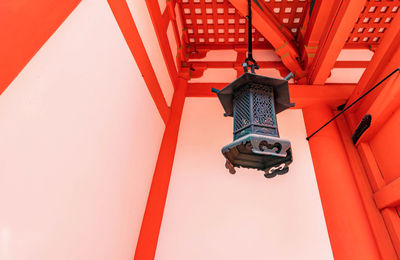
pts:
[266, 153]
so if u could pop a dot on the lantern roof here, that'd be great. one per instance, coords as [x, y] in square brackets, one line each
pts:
[280, 88]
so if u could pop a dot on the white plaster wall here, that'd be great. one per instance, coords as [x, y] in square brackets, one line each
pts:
[219, 55]
[349, 75]
[344, 76]
[216, 76]
[79, 139]
[163, 4]
[355, 54]
[265, 55]
[211, 214]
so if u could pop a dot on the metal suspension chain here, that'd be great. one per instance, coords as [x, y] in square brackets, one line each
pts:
[249, 61]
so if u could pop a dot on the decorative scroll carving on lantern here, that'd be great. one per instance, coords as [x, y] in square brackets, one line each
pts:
[253, 101]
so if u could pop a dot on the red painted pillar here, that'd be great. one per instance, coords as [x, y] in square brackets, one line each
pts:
[151, 224]
[349, 231]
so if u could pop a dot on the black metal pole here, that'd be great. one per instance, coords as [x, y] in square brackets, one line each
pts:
[250, 38]
[358, 99]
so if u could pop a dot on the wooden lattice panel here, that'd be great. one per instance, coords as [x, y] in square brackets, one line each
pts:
[217, 22]
[374, 20]
[290, 13]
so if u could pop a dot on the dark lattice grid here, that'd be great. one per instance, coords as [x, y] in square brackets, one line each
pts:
[253, 111]
[374, 20]
[241, 109]
[218, 22]
[263, 110]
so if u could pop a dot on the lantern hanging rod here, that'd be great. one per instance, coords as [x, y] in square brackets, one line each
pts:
[357, 100]
[253, 66]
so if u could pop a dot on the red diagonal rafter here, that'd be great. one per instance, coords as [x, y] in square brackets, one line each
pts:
[334, 39]
[384, 61]
[315, 29]
[175, 18]
[160, 24]
[265, 22]
[389, 195]
[130, 32]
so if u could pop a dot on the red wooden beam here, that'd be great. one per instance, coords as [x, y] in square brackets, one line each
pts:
[160, 24]
[264, 21]
[378, 227]
[346, 15]
[200, 66]
[383, 107]
[320, 18]
[128, 28]
[25, 27]
[349, 64]
[385, 60]
[230, 64]
[265, 64]
[390, 215]
[172, 17]
[389, 195]
[348, 226]
[181, 53]
[233, 46]
[200, 51]
[371, 166]
[302, 95]
[256, 46]
[203, 89]
[149, 232]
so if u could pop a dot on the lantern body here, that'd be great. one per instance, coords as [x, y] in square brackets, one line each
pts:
[253, 101]
[253, 111]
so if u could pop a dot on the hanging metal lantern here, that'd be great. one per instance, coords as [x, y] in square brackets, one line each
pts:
[254, 101]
